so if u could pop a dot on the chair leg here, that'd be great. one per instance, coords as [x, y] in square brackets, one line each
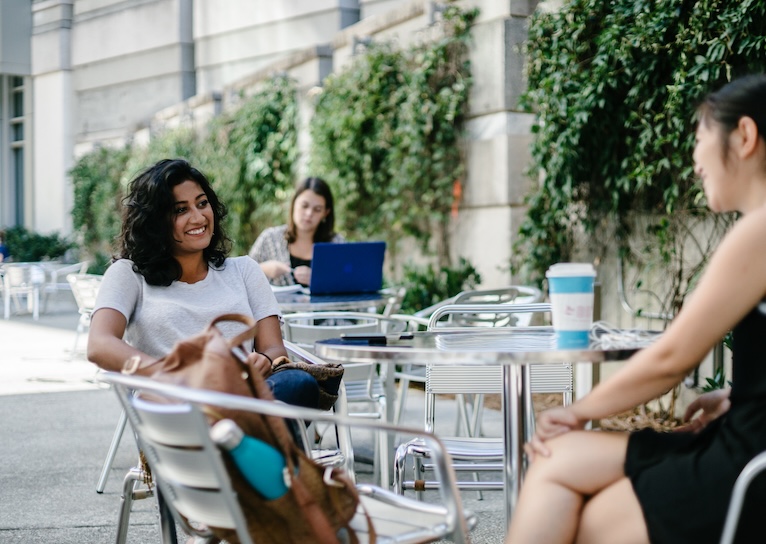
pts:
[133, 476]
[404, 384]
[400, 466]
[80, 330]
[383, 454]
[417, 471]
[751, 470]
[112, 452]
[168, 533]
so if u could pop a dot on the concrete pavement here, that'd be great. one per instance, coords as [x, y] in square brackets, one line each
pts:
[56, 424]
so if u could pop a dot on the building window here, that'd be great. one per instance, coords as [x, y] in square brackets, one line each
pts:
[12, 149]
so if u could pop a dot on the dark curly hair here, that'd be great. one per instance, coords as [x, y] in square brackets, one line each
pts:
[146, 237]
[326, 230]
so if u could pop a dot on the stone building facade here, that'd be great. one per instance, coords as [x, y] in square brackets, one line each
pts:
[97, 72]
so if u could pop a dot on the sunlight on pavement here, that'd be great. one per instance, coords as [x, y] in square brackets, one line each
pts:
[38, 359]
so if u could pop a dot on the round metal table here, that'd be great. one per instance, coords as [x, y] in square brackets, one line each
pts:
[515, 348]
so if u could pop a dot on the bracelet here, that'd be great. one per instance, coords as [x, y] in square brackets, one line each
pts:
[269, 358]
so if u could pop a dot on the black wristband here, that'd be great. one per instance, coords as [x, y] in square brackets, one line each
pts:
[269, 358]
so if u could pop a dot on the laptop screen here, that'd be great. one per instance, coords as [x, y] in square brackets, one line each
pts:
[352, 267]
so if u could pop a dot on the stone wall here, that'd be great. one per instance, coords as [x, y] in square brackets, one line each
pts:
[497, 138]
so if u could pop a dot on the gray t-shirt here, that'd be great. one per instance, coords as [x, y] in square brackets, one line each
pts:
[159, 316]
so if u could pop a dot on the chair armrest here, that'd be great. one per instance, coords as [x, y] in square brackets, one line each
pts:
[492, 308]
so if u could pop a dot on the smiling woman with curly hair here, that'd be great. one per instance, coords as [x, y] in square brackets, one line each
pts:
[173, 277]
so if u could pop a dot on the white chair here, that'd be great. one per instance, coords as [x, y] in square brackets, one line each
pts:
[56, 278]
[190, 473]
[505, 295]
[343, 455]
[85, 290]
[754, 468]
[22, 281]
[473, 453]
[364, 384]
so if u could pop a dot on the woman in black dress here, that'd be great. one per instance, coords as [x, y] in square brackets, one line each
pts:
[608, 487]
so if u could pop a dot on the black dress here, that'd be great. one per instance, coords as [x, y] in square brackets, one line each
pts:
[684, 481]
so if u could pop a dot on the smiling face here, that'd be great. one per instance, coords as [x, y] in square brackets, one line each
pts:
[308, 211]
[193, 218]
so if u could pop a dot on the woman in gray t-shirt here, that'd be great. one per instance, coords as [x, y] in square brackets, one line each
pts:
[173, 277]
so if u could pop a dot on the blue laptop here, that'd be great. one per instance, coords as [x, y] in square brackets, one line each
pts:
[352, 267]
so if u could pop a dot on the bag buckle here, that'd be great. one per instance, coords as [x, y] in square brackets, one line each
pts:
[328, 478]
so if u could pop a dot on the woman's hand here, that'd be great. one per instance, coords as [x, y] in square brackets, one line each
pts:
[274, 269]
[551, 423]
[260, 363]
[302, 274]
[713, 405]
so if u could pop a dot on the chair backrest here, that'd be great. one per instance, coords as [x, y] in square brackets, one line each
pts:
[186, 463]
[444, 379]
[58, 274]
[22, 276]
[515, 294]
[304, 329]
[85, 289]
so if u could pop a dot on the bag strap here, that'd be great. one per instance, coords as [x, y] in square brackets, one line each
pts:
[260, 390]
[312, 513]
[242, 337]
[132, 365]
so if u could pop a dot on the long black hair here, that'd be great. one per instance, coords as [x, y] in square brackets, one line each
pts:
[326, 230]
[146, 237]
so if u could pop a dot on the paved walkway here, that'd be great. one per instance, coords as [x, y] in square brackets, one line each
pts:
[57, 422]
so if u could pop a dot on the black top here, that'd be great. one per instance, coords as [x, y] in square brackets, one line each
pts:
[296, 262]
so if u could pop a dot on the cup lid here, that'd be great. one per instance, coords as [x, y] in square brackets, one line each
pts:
[559, 270]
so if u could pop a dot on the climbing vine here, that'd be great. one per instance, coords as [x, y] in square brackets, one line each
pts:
[614, 87]
[248, 154]
[386, 134]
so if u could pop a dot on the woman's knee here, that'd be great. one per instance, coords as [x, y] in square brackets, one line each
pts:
[582, 460]
[295, 387]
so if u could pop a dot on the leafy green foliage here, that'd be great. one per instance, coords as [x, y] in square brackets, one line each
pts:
[386, 136]
[249, 156]
[98, 194]
[27, 246]
[614, 86]
[717, 381]
[428, 285]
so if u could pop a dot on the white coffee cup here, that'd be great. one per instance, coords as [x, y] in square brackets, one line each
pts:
[570, 287]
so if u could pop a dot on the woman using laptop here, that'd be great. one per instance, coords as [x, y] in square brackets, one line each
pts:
[285, 252]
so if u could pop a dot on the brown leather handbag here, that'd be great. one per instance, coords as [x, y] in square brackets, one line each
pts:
[320, 502]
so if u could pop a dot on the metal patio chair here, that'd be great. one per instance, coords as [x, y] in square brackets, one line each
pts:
[472, 453]
[190, 474]
[365, 383]
[504, 295]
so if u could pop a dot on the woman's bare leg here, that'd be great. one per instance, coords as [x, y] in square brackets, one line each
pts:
[581, 464]
[613, 515]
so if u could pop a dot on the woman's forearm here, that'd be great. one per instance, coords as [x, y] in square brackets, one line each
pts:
[648, 375]
[112, 353]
